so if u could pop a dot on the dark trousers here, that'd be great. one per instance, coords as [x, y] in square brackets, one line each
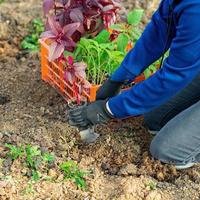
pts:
[178, 125]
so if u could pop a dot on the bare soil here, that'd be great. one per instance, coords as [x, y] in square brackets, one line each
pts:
[119, 162]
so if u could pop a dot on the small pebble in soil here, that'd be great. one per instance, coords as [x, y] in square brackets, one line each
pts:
[6, 166]
[42, 110]
[4, 100]
[129, 169]
[44, 149]
[105, 166]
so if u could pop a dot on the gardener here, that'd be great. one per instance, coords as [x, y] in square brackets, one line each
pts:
[170, 99]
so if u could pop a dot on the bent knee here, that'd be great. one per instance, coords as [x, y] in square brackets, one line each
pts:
[161, 151]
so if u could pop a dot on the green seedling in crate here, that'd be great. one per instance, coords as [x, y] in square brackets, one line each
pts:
[101, 58]
[71, 171]
[128, 31]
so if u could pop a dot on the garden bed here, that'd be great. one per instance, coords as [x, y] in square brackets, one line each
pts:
[119, 163]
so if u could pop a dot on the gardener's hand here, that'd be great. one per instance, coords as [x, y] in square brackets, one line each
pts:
[109, 89]
[94, 113]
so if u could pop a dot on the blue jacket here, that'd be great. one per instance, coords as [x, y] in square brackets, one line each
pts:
[179, 68]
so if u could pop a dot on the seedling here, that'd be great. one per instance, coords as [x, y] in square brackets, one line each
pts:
[29, 189]
[14, 152]
[30, 42]
[33, 160]
[47, 157]
[152, 185]
[128, 31]
[102, 58]
[71, 171]
[1, 1]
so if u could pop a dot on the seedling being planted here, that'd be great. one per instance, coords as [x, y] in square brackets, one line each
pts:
[72, 172]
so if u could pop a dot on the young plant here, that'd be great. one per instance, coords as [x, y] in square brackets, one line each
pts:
[61, 37]
[128, 31]
[14, 152]
[91, 16]
[152, 185]
[72, 71]
[33, 160]
[71, 171]
[48, 157]
[30, 42]
[101, 57]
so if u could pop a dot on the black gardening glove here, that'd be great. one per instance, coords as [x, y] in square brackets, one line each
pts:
[94, 113]
[108, 89]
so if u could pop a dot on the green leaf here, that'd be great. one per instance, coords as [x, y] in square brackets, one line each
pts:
[147, 73]
[103, 37]
[134, 17]
[35, 175]
[117, 27]
[14, 152]
[67, 53]
[122, 42]
[47, 157]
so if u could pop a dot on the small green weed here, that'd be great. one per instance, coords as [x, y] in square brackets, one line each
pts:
[71, 171]
[14, 152]
[33, 160]
[47, 157]
[29, 189]
[151, 185]
[30, 42]
[32, 157]
[1, 1]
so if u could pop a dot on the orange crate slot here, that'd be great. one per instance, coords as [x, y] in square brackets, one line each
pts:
[53, 73]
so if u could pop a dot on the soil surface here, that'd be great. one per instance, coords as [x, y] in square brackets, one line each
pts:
[33, 113]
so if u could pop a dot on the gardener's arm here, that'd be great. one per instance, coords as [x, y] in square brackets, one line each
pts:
[148, 48]
[178, 69]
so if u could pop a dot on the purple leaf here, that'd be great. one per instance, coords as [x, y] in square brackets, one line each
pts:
[47, 6]
[70, 29]
[47, 34]
[55, 51]
[54, 25]
[68, 77]
[70, 60]
[76, 15]
[80, 66]
[106, 8]
[79, 69]
[69, 43]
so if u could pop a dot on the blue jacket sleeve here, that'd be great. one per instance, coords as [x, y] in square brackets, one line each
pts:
[178, 70]
[147, 49]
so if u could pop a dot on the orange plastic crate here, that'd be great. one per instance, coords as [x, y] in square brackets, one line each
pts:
[53, 73]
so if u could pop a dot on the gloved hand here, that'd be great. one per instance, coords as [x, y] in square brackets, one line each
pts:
[109, 89]
[94, 113]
